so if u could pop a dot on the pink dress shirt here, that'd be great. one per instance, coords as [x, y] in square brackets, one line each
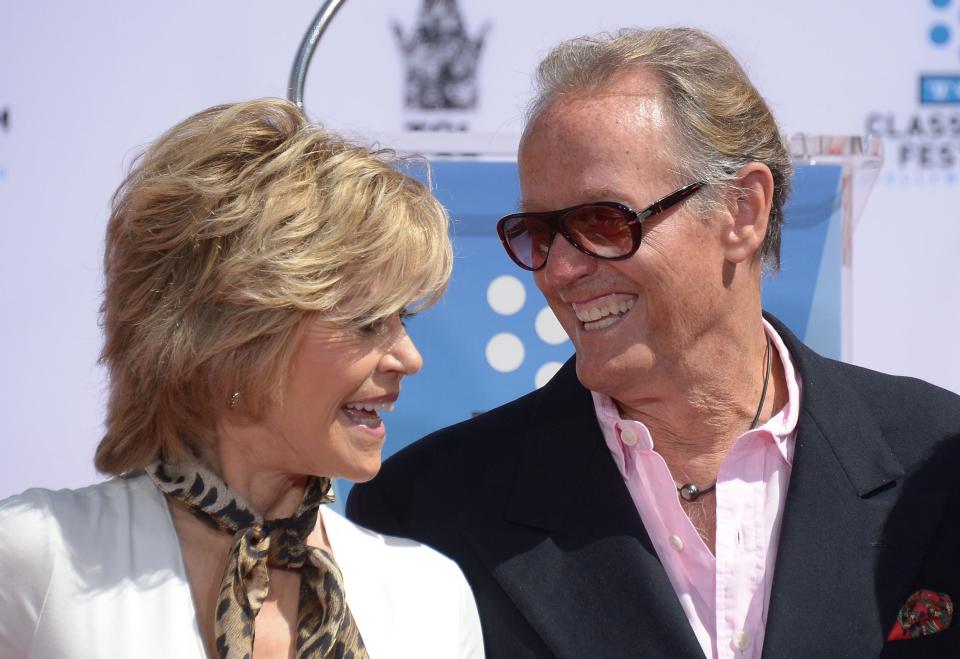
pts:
[725, 597]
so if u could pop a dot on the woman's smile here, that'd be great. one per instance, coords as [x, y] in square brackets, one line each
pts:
[366, 413]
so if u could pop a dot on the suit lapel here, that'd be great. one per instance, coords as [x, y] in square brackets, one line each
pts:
[842, 487]
[571, 551]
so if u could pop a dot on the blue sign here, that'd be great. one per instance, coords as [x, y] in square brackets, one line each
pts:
[941, 89]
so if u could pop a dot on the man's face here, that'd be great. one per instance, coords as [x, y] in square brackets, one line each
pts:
[632, 321]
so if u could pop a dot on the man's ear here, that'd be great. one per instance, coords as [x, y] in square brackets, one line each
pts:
[750, 212]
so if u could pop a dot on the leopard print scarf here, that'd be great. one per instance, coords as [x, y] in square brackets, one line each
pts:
[325, 627]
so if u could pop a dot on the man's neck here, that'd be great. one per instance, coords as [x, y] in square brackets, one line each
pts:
[710, 402]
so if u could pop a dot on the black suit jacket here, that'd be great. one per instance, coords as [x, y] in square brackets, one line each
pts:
[527, 500]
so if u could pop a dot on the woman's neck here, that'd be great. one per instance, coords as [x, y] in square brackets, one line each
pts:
[237, 457]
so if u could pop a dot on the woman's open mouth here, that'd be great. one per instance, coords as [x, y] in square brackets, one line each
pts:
[367, 413]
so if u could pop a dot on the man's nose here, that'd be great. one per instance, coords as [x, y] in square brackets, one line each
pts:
[566, 263]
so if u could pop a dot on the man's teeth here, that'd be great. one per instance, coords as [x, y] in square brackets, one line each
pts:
[371, 407]
[600, 324]
[604, 315]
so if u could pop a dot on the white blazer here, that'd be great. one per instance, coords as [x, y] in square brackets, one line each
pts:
[97, 572]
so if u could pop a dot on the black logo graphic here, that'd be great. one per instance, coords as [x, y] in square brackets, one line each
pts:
[925, 140]
[441, 58]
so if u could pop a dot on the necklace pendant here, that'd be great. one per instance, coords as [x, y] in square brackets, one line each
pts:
[689, 492]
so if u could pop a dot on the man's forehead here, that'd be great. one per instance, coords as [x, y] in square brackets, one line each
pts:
[631, 86]
[585, 193]
[603, 106]
[596, 144]
[590, 146]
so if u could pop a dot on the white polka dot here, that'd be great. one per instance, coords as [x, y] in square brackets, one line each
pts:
[545, 372]
[506, 295]
[505, 352]
[549, 328]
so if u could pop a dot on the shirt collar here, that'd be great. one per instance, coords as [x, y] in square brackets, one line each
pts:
[780, 427]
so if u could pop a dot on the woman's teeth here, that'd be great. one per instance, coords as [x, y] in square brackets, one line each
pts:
[367, 414]
[371, 407]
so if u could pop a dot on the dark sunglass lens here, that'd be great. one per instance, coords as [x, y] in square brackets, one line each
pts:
[603, 230]
[528, 239]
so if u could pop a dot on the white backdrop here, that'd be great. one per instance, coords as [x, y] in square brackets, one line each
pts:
[83, 87]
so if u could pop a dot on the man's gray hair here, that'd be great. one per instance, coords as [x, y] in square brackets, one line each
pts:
[721, 121]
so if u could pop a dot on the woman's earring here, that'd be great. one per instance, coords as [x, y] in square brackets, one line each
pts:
[234, 400]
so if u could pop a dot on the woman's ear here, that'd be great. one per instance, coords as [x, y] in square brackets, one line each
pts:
[750, 212]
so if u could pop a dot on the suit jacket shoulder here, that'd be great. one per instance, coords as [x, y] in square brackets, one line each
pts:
[900, 405]
[513, 496]
[470, 466]
[870, 510]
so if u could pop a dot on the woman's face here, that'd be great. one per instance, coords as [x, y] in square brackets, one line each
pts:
[340, 380]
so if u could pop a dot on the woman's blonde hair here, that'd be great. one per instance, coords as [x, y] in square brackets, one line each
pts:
[230, 234]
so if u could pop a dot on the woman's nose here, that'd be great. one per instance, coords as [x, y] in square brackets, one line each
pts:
[403, 355]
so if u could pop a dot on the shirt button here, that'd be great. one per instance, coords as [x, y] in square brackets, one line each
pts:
[676, 542]
[628, 437]
[740, 641]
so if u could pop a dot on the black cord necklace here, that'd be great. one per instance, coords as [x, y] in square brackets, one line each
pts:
[691, 492]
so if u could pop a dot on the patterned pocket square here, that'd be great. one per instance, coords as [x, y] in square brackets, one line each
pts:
[926, 612]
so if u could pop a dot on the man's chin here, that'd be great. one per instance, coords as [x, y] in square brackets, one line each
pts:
[595, 375]
[604, 375]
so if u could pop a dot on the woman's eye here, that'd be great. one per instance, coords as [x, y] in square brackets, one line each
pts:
[405, 316]
[382, 326]
[376, 327]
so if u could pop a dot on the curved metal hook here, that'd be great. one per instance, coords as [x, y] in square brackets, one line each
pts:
[309, 44]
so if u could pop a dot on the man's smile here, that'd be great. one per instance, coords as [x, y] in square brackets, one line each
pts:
[604, 311]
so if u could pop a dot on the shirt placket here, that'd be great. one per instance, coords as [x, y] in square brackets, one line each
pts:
[687, 560]
[741, 546]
